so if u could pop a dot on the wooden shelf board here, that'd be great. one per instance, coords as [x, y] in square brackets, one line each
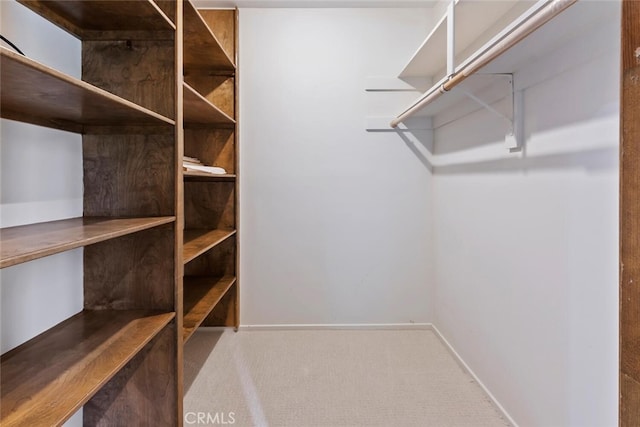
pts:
[87, 19]
[37, 94]
[48, 378]
[197, 242]
[199, 110]
[201, 294]
[472, 19]
[202, 51]
[203, 176]
[28, 242]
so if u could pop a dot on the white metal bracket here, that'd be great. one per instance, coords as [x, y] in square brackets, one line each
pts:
[513, 118]
[451, 38]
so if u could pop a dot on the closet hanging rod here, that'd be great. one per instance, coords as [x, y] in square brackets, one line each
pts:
[541, 17]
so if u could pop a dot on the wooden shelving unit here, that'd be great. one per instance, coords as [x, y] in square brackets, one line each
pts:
[210, 212]
[46, 380]
[120, 358]
[29, 242]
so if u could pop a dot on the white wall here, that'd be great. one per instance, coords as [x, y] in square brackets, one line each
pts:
[527, 280]
[41, 180]
[335, 221]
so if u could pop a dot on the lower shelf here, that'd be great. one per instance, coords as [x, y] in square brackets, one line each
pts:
[197, 242]
[47, 379]
[201, 294]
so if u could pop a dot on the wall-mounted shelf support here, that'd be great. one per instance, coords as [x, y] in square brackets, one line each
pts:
[491, 91]
[451, 40]
[513, 137]
[542, 12]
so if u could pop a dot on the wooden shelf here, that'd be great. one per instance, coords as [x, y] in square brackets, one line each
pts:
[201, 294]
[47, 379]
[473, 20]
[36, 94]
[205, 177]
[200, 111]
[29, 242]
[202, 51]
[94, 19]
[197, 242]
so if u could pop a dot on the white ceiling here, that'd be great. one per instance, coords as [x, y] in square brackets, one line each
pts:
[313, 3]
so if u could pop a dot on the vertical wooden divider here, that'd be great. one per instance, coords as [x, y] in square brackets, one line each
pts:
[179, 203]
[137, 172]
[236, 97]
[630, 217]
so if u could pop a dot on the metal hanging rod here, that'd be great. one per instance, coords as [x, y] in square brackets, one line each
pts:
[535, 21]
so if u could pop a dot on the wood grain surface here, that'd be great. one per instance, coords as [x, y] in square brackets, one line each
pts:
[214, 147]
[218, 262]
[129, 175]
[201, 294]
[199, 241]
[131, 272]
[630, 217]
[202, 51]
[219, 90]
[47, 379]
[198, 110]
[209, 205]
[224, 313]
[43, 96]
[144, 392]
[88, 19]
[222, 23]
[141, 71]
[29, 242]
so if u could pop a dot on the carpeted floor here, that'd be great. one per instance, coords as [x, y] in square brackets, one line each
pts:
[333, 378]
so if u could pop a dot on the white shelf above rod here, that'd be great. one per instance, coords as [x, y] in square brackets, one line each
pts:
[501, 45]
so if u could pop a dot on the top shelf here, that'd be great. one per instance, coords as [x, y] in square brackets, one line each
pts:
[95, 19]
[202, 50]
[475, 23]
[37, 94]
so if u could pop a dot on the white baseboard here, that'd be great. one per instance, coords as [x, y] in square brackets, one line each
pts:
[320, 326]
[466, 367]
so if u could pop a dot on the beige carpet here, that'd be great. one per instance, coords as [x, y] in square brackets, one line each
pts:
[333, 378]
